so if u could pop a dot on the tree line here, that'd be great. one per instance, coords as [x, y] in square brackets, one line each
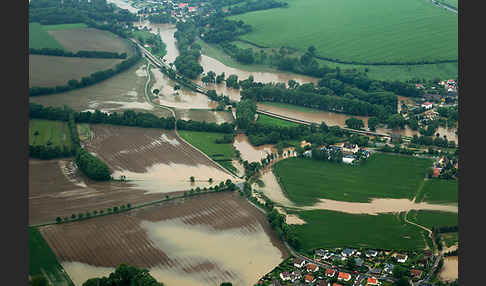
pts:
[125, 275]
[93, 78]
[79, 54]
[187, 63]
[126, 118]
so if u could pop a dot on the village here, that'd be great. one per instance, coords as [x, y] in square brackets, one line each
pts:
[348, 266]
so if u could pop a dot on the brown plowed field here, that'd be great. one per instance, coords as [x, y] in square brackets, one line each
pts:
[53, 194]
[47, 71]
[155, 159]
[201, 240]
[90, 39]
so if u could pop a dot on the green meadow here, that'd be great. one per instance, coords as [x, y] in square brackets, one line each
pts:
[39, 38]
[304, 181]
[272, 121]
[439, 191]
[41, 132]
[335, 229]
[359, 31]
[430, 219]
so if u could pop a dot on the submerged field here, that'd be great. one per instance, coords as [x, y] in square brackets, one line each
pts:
[375, 31]
[202, 240]
[46, 71]
[383, 176]
[335, 229]
[43, 131]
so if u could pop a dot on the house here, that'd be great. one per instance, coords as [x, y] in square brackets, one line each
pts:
[388, 268]
[344, 276]
[371, 253]
[347, 252]
[312, 267]
[427, 253]
[348, 159]
[285, 276]
[436, 172]
[375, 271]
[276, 283]
[419, 85]
[350, 148]
[309, 278]
[372, 281]
[336, 284]
[328, 255]
[339, 257]
[182, 5]
[191, 9]
[402, 258]
[304, 143]
[330, 272]
[427, 105]
[307, 154]
[415, 273]
[320, 252]
[295, 275]
[323, 283]
[299, 263]
[359, 262]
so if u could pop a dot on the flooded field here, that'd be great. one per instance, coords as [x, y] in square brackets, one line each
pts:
[48, 71]
[225, 239]
[218, 117]
[124, 4]
[57, 188]
[116, 94]
[377, 206]
[450, 269]
[272, 189]
[249, 152]
[156, 160]
[181, 99]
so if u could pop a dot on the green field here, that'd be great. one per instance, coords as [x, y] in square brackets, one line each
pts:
[383, 176]
[439, 191]
[453, 3]
[354, 30]
[56, 132]
[64, 26]
[272, 121]
[335, 229]
[43, 261]
[386, 72]
[145, 35]
[204, 141]
[450, 239]
[430, 219]
[39, 38]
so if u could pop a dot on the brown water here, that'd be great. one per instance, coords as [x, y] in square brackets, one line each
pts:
[240, 255]
[182, 99]
[249, 152]
[80, 272]
[272, 189]
[124, 5]
[450, 269]
[204, 115]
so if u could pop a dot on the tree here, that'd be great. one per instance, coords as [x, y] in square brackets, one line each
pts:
[39, 280]
[373, 122]
[129, 205]
[226, 284]
[354, 123]
[210, 180]
[58, 219]
[312, 50]
[115, 208]
[192, 179]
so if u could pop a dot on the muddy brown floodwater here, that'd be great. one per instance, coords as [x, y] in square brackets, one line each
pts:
[153, 159]
[249, 152]
[202, 240]
[450, 269]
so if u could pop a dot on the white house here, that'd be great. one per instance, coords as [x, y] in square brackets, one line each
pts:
[427, 105]
[308, 153]
[402, 258]
[348, 160]
[285, 276]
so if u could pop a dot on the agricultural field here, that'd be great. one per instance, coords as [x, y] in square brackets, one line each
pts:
[430, 219]
[217, 228]
[155, 159]
[450, 239]
[123, 91]
[39, 38]
[305, 181]
[90, 39]
[272, 121]
[218, 117]
[42, 260]
[43, 131]
[47, 71]
[375, 31]
[440, 191]
[325, 228]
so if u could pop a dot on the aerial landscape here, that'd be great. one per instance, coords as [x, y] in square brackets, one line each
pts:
[243, 142]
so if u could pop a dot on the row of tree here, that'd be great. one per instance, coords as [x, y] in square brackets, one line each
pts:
[431, 141]
[79, 54]
[47, 152]
[88, 80]
[125, 275]
[187, 63]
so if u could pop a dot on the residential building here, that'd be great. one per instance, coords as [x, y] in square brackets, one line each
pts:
[309, 278]
[312, 267]
[415, 273]
[371, 253]
[295, 275]
[285, 276]
[402, 258]
[348, 159]
[359, 262]
[372, 281]
[330, 272]
[299, 263]
[347, 252]
[307, 153]
[344, 276]
[320, 252]
[350, 148]
[427, 105]
[375, 271]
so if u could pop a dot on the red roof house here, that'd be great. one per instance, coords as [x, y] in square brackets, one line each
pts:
[330, 272]
[309, 278]
[312, 267]
[416, 273]
[344, 276]
[372, 281]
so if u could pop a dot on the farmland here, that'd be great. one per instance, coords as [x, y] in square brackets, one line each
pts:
[205, 141]
[272, 121]
[155, 159]
[382, 176]
[335, 229]
[430, 219]
[90, 39]
[216, 229]
[43, 261]
[375, 31]
[46, 71]
[120, 92]
[440, 191]
[39, 38]
[43, 131]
